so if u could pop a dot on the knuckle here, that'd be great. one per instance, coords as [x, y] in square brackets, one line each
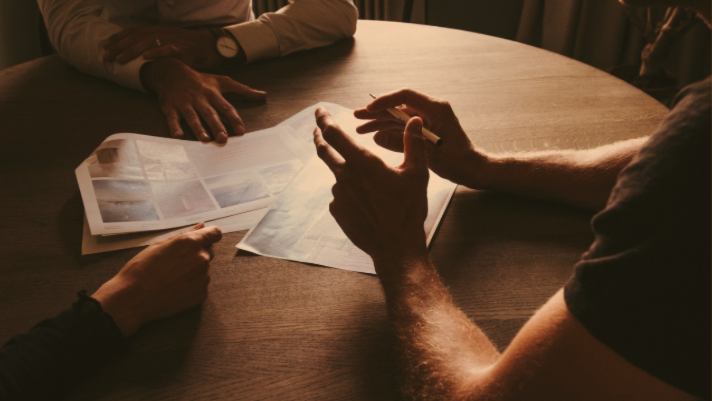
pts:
[184, 241]
[371, 161]
[321, 150]
[329, 130]
[333, 207]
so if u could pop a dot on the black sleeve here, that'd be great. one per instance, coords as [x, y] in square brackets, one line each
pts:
[643, 288]
[50, 359]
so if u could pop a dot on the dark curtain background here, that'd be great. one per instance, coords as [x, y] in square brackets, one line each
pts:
[596, 32]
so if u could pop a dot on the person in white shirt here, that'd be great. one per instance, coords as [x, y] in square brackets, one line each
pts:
[166, 47]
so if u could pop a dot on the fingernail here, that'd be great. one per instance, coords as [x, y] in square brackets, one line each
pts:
[204, 136]
[221, 136]
[178, 134]
[239, 130]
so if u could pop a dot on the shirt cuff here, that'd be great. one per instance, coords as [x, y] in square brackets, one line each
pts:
[256, 39]
[128, 74]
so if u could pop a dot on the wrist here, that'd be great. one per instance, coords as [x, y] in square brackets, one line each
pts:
[227, 48]
[155, 73]
[212, 60]
[478, 172]
[115, 301]
[395, 263]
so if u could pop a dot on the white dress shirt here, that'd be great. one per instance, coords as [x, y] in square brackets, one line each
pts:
[78, 27]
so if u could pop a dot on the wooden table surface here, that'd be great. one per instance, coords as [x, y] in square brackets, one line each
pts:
[274, 329]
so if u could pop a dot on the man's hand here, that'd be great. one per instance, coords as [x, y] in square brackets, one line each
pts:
[382, 209]
[166, 278]
[196, 48]
[191, 95]
[456, 159]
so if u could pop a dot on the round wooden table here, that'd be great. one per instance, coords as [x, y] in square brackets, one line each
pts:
[273, 329]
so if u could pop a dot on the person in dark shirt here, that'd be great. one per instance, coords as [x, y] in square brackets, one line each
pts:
[168, 277]
[633, 321]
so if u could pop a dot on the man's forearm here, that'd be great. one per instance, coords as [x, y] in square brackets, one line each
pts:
[301, 25]
[440, 350]
[579, 177]
[76, 29]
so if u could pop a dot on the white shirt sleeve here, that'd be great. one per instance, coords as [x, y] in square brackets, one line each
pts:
[76, 30]
[301, 25]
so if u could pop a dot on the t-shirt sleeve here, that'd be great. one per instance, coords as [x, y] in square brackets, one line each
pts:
[50, 359]
[643, 288]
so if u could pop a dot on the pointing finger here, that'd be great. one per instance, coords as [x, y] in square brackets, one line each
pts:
[337, 138]
[331, 158]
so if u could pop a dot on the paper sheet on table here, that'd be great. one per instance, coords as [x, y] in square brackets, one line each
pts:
[299, 227]
[105, 243]
[135, 183]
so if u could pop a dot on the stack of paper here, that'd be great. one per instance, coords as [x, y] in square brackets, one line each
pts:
[139, 189]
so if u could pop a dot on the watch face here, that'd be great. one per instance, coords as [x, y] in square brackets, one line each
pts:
[227, 47]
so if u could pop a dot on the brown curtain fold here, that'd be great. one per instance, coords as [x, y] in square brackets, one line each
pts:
[599, 33]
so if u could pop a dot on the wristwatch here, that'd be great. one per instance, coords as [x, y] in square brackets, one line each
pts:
[225, 43]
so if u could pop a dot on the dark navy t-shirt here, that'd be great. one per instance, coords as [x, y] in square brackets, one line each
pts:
[643, 288]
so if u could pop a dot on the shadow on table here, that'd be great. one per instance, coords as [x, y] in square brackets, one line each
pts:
[503, 256]
[158, 354]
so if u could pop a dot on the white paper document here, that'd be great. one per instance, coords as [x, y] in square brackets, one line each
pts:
[299, 227]
[105, 243]
[134, 183]
[136, 189]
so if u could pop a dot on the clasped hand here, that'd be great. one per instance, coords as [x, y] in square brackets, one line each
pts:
[194, 47]
[178, 55]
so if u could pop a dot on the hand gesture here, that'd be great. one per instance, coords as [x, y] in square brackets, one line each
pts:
[168, 277]
[381, 209]
[191, 95]
[456, 159]
[195, 48]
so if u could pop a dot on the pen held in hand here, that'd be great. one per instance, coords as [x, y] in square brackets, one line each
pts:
[405, 118]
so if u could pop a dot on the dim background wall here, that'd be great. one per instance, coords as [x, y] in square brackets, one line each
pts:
[19, 38]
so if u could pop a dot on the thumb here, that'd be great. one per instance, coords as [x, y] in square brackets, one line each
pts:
[209, 235]
[231, 86]
[197, 227]
[414, 145]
